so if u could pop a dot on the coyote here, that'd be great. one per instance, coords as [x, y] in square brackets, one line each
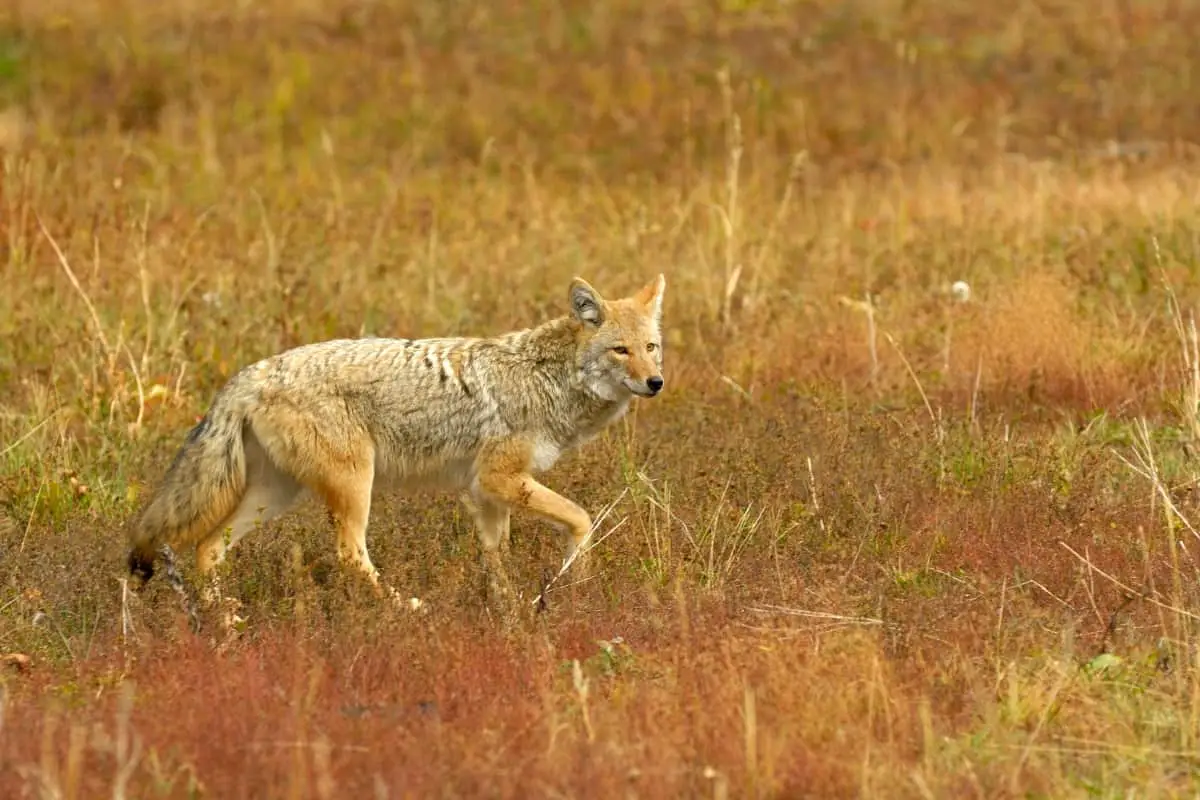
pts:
[340, 419]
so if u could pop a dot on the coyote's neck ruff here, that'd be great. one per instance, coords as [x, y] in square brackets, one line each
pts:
[479, 416]
[558, 384]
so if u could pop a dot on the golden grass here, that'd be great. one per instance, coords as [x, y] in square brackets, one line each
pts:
[878, 540]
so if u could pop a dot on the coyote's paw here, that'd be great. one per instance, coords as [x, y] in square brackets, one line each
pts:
[503, 601]
[579, 566]
[231, 620]
[230, 624]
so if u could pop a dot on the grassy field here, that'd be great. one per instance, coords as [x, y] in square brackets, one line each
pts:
[879, 537]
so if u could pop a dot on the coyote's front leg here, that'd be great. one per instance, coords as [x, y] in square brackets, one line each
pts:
[492, 520]
[504, 477]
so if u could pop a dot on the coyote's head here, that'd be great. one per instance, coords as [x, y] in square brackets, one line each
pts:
[620, 350]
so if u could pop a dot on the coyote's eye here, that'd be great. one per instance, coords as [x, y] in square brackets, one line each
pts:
[621, 350]
[651, 347]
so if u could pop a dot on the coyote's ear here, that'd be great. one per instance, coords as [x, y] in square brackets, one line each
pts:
[586, 304]
[651, 295]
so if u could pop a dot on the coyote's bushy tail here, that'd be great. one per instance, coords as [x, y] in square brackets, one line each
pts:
[201, 487]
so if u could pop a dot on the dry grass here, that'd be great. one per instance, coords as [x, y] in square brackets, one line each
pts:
[878, 541]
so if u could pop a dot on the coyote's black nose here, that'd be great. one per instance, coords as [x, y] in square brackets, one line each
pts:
[654, 384]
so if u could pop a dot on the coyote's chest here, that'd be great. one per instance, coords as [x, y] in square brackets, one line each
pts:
[546, 453]
[548, 449]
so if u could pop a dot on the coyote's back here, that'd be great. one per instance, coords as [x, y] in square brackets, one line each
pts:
[337, 419]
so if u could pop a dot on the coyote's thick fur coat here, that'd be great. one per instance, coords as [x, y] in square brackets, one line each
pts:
[338, 419]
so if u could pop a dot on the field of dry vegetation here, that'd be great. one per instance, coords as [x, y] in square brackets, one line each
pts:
[878, 537]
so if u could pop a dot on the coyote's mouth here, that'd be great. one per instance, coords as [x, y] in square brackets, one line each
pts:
[642, 391]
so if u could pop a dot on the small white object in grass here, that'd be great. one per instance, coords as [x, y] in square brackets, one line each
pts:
[413, 603]
[961, 291]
